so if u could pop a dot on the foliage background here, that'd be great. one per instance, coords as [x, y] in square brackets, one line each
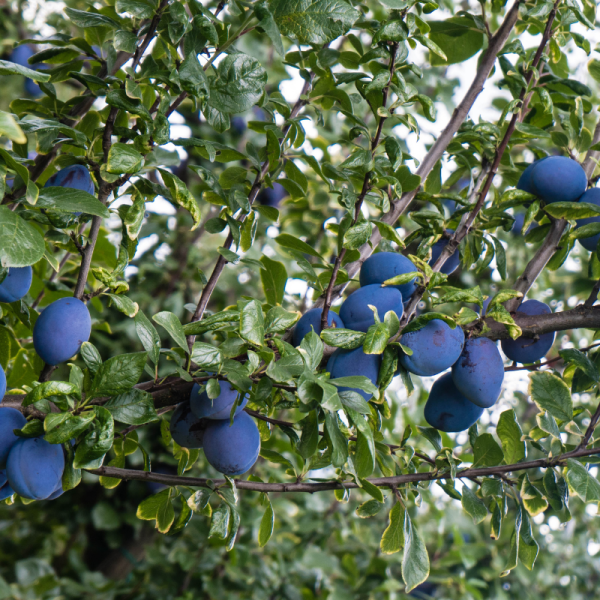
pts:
[89, 542]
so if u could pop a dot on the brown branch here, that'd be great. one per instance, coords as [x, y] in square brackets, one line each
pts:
[593, 295]
[255, 189]
[461, 112]
[388, 482]
[86, 261]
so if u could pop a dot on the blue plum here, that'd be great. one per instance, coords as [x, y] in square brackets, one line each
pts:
[35, 467]
[479, 372]
[60, 330]
[524, 349]
[219, 408]
[10, 419]
[452, 263]
[2, 383]
[20, 56]
[525, 182]
[345, 363]
[58, 491]
[558, 179]
[5, 490]
[272, 196]
[232, 450]
[238, 125]
[383, 266]
[186, 428]
[76, 177]
[310, 320]
[436, 347]
[447, 409]
[16, 284]
[355, 311]
[592, 196]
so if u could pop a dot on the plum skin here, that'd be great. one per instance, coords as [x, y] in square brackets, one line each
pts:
[383, 266]
[479, 372]
[447, 409]
[558, 179]
[186, 428]
[35, 467]
[16, 284]
[436, 347]
[10, 419]
[232, 450]
[310, 320]
[2, 383]
[525, 184]
[5, 490]
[527, 350]
[355, 311]
[592, 196]
[344, 363]
[219, 408]
[76, 177]
[60, 330]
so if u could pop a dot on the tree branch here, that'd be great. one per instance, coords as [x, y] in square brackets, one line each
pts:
[496, 44]
[387, 482]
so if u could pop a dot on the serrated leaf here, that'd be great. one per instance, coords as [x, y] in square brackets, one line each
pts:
[551, 393]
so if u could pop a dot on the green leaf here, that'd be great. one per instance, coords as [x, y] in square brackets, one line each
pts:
[181, 195]
[415, 562]
[61, 427]
[10, 68]
[486, 451]
[148, 336]
[572, 210]
[472, 505]
[70, 200]
[119, 374]
[358, 235]
[581, 482]
[339, 442]
[268, 25]
[355, 381]
[578, 358]
[86, 20]
[279, 320]
[252, 325]
[134, 407]
[148, 508]
[368, 509]
[124, 304]
[239, 84]
[273, 278]
[422, 320]
[510, 434]
[551, 393]
[193, 78]
[289, 241]
[21, 244]
[313, 21]
[219, 524]
[309, 440]
[205, 355]
[343, 338]
[513, 557]
[266, 526]
[458, 39]
[10, 128]
[136, 8]
[392, 540]
[119, 99]
[91, 450]
[49, 389]
[173, 326]
[123, 158]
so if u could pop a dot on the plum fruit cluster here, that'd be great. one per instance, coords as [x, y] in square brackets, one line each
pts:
[230, 447]
[30, 467]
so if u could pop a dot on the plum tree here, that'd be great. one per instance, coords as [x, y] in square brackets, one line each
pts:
[76, 177]
[186, 428]
[60, 330]
[528, 349]
[217, 408]
[232, 450]
[311, 321]
[16, 284]
[452, 263]
[479, 372]
[557, 179]
[34, 468]
[355, 311]
[447, 409]
[435, 348]
[382, 266]
[592, 196]
[346, 363]
[10, 419]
